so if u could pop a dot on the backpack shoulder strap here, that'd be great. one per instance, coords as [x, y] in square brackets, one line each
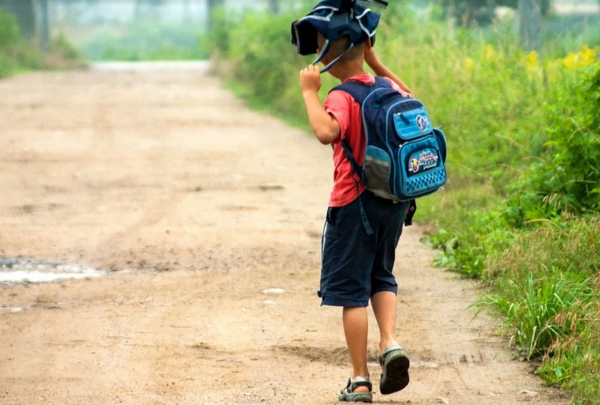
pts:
[360, 91]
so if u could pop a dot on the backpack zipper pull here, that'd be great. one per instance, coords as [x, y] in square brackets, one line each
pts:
[406, 120]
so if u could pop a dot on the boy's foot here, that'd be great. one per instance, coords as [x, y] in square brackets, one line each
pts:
[395, 363]
[348, 394]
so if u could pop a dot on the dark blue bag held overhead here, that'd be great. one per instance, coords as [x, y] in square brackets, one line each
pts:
[405, 156]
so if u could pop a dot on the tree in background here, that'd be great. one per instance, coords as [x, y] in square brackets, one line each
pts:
[186, 10]
[24, 10]
[543, 5]
[468, 12]
[481, 12]
[148, 8]
[45, 11]
[212, 6]
[274, 6]
[530, 23]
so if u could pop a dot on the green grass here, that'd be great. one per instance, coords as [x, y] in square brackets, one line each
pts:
[547, 285]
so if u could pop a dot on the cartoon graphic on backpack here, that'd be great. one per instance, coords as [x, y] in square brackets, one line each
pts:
[405, 156]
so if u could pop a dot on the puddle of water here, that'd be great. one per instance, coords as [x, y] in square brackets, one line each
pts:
[274, 291]
[193, 66]
[424, 364]
[11, 310]
[32, 271]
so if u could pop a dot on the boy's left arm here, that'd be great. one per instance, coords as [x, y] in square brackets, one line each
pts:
[381, 70]
[324, 126]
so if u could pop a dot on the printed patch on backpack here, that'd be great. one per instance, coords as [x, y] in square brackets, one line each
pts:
[422, 122]
[423, 160]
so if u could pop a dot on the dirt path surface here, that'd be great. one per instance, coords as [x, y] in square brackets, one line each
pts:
[197, 205]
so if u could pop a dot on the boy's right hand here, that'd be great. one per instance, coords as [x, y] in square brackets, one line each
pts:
[310, 79]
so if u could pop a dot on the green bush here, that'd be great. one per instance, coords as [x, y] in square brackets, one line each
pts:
[18, 53]
[568, 178]
[10, 33]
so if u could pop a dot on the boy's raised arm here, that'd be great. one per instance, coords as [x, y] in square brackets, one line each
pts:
[381, 70]
[324, 126]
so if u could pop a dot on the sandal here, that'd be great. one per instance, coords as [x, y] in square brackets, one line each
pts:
[348, 394]
[395, 363]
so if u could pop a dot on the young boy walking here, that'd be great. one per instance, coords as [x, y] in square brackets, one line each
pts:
[357, 267]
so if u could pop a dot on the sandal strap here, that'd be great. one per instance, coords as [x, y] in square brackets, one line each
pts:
[386, 353]
[359, 382]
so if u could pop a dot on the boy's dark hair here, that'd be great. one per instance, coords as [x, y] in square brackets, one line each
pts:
[339, 46]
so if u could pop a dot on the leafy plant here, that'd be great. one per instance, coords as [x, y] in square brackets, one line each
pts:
[568, 179]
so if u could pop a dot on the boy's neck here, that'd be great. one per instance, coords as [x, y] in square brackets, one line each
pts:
[344, 72]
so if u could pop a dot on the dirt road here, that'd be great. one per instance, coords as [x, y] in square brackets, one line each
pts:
[197, 205]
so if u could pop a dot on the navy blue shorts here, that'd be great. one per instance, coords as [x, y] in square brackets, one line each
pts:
[355, 265]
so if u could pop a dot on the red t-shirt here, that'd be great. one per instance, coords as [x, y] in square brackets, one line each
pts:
[347, 111]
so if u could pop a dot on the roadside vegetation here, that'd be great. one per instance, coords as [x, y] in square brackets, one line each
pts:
[521, 210]
[19, 54]
[141, 40]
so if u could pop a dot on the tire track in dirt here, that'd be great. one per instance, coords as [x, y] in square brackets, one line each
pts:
[206, 204]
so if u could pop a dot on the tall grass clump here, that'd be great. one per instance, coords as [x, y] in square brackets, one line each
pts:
[520, 209]
[547, 285]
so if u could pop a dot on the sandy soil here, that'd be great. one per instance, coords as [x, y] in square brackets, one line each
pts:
[197, 205]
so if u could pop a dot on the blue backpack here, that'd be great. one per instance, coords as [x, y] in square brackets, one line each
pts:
[405, 156]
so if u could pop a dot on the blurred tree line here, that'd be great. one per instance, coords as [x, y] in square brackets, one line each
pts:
[24, 10]
[27, 13]
[274, 5]
[482, 12]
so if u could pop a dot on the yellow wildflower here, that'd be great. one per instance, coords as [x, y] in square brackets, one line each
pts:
[532, 62]
[582, 59]
[469, 65]
[490, 52]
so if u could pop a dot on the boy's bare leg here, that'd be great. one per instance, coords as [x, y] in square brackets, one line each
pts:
[384, 307]
[356, 326]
